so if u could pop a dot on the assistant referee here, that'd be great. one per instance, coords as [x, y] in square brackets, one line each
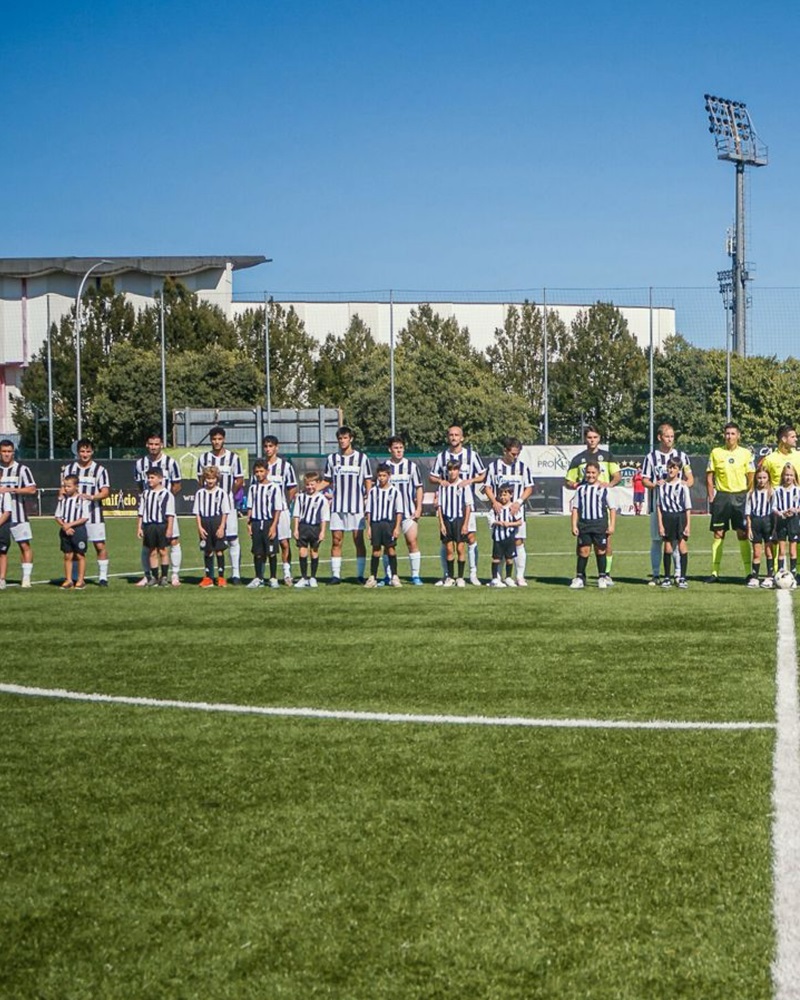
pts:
[729, 475]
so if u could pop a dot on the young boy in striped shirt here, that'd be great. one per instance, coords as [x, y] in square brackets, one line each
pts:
[454, 506]
[504, 524]
[384, 517]
[674, 511]
[212, 505]
[154, 526]
[72, 513]
[264, 506]
[5, 536]
[593, 521]
[312, 513]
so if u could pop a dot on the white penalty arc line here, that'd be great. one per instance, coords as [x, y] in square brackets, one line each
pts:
[395, 717]
[786, 810]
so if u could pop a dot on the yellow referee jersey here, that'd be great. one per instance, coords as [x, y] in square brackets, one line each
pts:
[731, 468]
[775, 461]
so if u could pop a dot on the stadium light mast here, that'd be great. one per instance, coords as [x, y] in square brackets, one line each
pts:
[737, 142]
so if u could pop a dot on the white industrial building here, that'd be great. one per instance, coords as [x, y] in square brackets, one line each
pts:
[37, 291]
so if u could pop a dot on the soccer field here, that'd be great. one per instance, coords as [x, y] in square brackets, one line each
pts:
[472, 793]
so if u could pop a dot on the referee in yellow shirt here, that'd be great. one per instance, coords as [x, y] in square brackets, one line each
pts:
[729, 475]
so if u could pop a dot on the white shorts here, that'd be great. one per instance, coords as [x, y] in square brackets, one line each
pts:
[176, 529]
[21, 532]
[232, 525]
[96, 532]
[284, 525]
[347, 522]
[522, 531]
[408, 524]
[473, 524]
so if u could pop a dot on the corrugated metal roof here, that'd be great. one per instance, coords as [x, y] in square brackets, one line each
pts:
[28, 267]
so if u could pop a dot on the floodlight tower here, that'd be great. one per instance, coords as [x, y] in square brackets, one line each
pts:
[737, 142]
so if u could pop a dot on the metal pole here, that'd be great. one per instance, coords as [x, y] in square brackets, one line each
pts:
[163, 370]
[391, 361]
[739, 272]
[51, 452]
[545, 375]
[728, 338]
[652, 380]
[268, 393]
[78, 401]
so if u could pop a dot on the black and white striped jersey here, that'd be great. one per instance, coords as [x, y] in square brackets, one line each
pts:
[516, 474]
[74, 508]
[785, 498]
[454, 500]
[471, 464]
[16, 476]
[674, 497]
[263, 500]
[281, 473]
[384, 503]
[311, 508]
[212, 503]
[155, 506]
[591, 502]
[407, 480]
[758, 504]
[348, 475]
[91, 479]
[654, 466]
[170, 470]
[227, 463]
[498, 523]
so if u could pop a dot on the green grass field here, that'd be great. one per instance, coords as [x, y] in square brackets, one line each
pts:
[154, 852]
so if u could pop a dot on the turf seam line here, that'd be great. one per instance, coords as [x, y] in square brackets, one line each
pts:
[786, 810]
[392, 717]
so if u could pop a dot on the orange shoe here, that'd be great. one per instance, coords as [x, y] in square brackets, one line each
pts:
[206, 582]
[221, 581]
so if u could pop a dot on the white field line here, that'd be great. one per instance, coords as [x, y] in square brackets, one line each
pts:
[786, 809]
[352, 716]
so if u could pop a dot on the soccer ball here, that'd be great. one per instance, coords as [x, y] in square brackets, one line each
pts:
[784, 580]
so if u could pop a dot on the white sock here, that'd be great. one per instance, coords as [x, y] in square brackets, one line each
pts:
[27, 571]
[361, 565]
[236, 556]
[175, 557]
[415, 560]
[521, 560]
[102, 568]
[472, 556]
[287, 569]
[336, 566]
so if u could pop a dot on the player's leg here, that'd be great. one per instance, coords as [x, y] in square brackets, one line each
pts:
[337, 536]
[232, 538]
[411, 534]
[80, 562]
[176, 553]
[472, 550]
[461, 558]
[361, 553]
[602, 556]
[582, 561]
[21, 533]
[284, 537]
[655, 547]
[3, 569]
[68, 583]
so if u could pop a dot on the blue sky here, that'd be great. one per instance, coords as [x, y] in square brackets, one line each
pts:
[414, 146]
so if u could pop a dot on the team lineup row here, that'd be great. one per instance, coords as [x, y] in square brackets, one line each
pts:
[348, 498]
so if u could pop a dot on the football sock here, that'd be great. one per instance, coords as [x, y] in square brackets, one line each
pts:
[287, 569]
[393, 564]
[385, 564]
[361, 565]
[602, 564]
[609, 560]
[27, 571]
[336, 566]
[667, 563]
[208, 561]
[678, 563]
[102, 568]
[684, 565]
[164, 570]
[472, 555]
[220, 564]
[303, 566]
[581, 570]
[236, 557]
[443, 559]
[755, 569]
[770, 566]
[415, 562]
[258, 564]
[746, 551]
[145, 561]
[521, 560]
[461, 569]
[176, 557]
[655, 557]
[273, 567]
[373, 565]
[495, 570]
[314, 566]
[449, 567]
[793, 566]
[716, 555]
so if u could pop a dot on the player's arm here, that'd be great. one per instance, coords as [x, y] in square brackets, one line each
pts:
[273, 526]
[688, 475]
[519, 504]
[324, 519]
[170, 524]
[139, 533]
[612, 520]
[710, 489]
[467, 512]
[201, 531]
[688, 529]
[574, 520]
[572, 477]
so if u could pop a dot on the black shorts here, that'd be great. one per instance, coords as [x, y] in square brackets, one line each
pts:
[787, 529]
[504, 548]
[212, 543]
[262, 545]
[154, 536]
[308, 535]
[5, 537]
[674, 525]
[76, 543]
[594, 533]
[381, 535]
[762, 528]
[727, 511]
[453, 530]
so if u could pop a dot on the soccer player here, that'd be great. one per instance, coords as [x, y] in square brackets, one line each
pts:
[761, 527]
[5, 536]
[472, 471]
[155, 525]
[264, 511]
[16, 481]
[593, 520]
[786, 451]
[609, 476]
[654, 470]
[786, 508]
[156, 458]
[512, 471]
[674, 511]
[72, 515]
[94, 485]
[281, 473]
[312, 513]
[211, 508]
[348, 472]
[505, 521]
[454, 506]
[729, 475]
[383, 515]
[406, 477]
[231, 479]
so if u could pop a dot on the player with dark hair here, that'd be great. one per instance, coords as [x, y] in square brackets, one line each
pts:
[729, 475]
[348, 472]
[608, 475]
[231, 479]
[510, 470]
[654, 471]
[593, 520]
[280, 472]
[472, 471]
[156, 458]
[384, 516]
[674, 511]
[17, 482]
[93, 483]
[406, 478]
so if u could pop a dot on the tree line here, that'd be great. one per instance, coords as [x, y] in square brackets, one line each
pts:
[596, 373]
